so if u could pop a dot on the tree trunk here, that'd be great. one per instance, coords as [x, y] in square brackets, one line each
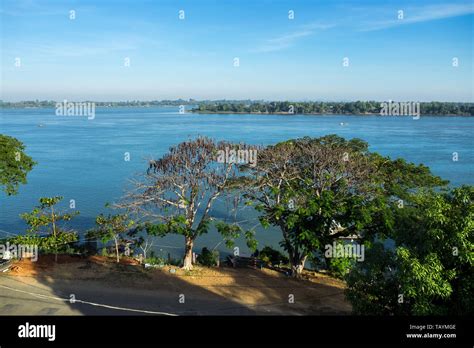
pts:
[297, 259]
[297, 265]
[116, 250]
[188, 254]
[53, 220]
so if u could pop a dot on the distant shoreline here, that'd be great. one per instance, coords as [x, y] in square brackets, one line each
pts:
[254, 107]
[242, 112]
[312, 114]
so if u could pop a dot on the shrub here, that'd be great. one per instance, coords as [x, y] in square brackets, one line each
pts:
[272, 256]
[339, 267]
[208, 258]
[62, 242]
[155, 260]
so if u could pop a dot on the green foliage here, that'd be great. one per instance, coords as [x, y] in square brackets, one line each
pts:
[316, 190]
[104, 252]
[246, 106]
[180, 189]
[111, 227]
[129, 103]
[373, 287]
[430, 265]
[43, 227]
[304, 196]
[45, 215]
[340, 266]
[155, 260]
[208, 258]
[400, 177]
[357, 107]
[272, 256]
[174, 225]
[231, 232]
[14, 164]
[63, 242]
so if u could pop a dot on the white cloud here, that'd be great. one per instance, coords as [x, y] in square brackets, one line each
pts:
[421, 14]
[287, 40]
[83, 47]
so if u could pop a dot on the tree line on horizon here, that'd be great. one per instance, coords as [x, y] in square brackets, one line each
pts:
[313, 191]
[260, 106]
[351, 108]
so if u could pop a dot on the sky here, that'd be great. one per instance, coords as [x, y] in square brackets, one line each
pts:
[237, 49]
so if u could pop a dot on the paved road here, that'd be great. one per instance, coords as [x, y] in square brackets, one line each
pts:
[21, 303]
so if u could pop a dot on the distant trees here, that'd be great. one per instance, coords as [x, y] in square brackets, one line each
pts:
[133, 103]
[259, 106]
[14, 164]
[357, 108]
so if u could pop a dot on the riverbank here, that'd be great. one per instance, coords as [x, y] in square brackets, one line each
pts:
[273, 113]
[312, 114]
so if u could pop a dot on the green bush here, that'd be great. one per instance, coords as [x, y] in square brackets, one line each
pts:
[62, 243]
[208, 258]
[272, 256]
[339, 267]
[155, 260]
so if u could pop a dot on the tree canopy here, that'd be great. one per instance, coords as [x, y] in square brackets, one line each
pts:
[14, 164]
[316, 190]
[429, 269]
[178, 195]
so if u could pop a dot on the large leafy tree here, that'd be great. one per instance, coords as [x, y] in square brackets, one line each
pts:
[178, 194]
[429, 269]
[313, 190]
[14, 164]
[318, 190]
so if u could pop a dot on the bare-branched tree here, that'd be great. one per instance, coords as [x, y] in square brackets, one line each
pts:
[177, 196]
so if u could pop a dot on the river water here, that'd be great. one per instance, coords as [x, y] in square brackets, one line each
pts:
[85, 159]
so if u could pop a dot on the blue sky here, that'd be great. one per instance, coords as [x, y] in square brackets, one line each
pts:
[280, 58]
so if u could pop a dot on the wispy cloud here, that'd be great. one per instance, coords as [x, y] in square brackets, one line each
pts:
[84, 47]
[421, 14]
[289, 39]
[26, 8]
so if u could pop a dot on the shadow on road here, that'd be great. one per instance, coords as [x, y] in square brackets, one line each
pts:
[49, 288]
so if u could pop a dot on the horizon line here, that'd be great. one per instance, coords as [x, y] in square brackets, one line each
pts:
[229, 100]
